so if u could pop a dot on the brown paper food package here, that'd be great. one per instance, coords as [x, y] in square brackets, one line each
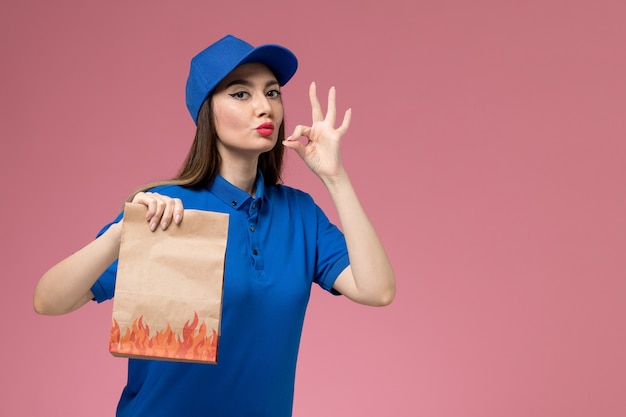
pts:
[168, 293]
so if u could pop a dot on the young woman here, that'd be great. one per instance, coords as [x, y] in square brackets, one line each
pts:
[279, 240]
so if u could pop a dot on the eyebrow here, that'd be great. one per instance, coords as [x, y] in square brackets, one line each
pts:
[249, 84]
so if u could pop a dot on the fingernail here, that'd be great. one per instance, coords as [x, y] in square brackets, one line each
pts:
[177, 219]
[153, 226]
[163, 225]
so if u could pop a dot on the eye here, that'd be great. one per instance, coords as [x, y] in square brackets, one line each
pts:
[239, 95]
[273, 93]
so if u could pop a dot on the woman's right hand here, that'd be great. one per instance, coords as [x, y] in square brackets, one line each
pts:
[162, 210]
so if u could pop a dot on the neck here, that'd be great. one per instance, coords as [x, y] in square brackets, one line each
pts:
[241, 175]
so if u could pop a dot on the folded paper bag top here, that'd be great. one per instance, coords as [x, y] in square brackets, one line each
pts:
[168, 293]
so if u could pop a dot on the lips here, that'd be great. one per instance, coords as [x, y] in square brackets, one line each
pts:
[265, 129]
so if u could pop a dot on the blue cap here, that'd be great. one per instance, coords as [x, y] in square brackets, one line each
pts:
[213, 64]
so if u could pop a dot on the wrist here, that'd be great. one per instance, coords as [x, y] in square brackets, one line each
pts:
[335, 180]
[339, 186]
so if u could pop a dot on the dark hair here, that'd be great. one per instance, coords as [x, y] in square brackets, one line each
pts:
[203, 161]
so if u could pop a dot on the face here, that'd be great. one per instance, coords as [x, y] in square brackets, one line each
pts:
[248, 111]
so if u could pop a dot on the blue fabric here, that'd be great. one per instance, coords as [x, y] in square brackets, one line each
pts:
[265, 298]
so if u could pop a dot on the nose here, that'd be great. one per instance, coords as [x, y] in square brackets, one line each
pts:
[262, 106]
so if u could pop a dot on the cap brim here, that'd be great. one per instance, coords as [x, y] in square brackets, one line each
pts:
[280, 60]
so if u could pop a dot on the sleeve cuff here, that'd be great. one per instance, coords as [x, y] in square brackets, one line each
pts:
[332, 275]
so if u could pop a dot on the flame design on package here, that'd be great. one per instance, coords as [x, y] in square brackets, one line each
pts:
[195, 344]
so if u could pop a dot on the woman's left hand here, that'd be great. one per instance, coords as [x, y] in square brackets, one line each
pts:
[321, 150]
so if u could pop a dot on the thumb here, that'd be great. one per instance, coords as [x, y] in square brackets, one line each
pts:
[296, 145]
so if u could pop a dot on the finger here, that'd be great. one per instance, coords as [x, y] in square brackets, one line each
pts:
[173, 210]
[145, 199]
[178, 210]
[316, 108]
[331, 112]
[159, 204]
[299, 131]
[168, 213]
[155, 207]
[138, 198]
[345, 124]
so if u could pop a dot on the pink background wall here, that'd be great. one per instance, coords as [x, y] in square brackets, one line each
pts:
[488, 144]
